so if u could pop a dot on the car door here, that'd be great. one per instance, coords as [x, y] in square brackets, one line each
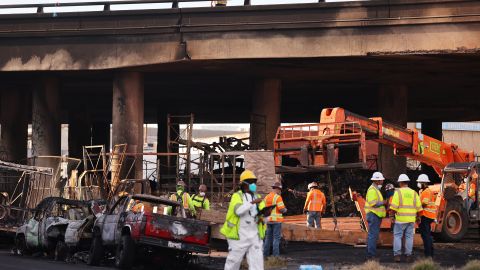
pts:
[111, 220]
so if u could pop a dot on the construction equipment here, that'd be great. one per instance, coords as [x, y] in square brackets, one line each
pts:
[344, 140]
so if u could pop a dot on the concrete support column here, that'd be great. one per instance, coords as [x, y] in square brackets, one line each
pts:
[14, 120]
[46, 129]
[127, 115]
[392, 101]
[79, 133]
[162, 140]
[265, 118]
[432, 128]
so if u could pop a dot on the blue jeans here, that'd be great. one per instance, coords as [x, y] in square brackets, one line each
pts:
[272, 237]
[426, 233]
[399, 230]
[374, 223]
[314, 217]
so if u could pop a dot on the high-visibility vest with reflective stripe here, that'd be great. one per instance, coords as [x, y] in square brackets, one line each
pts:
[406, 203]
[471, 190]
[374, 197]
[428, 202]
[275, 199]
[315, 201]
[232, 221]
[185, 198]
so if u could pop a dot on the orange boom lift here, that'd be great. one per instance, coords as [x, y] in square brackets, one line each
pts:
[345, 140]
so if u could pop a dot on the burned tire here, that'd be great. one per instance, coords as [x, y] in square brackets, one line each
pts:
[455, 224]
[95, 254]
[21, 246]
[125, 254]
[61, 251]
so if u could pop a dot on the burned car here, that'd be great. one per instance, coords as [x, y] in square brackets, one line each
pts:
[58, 227]
[137, 226]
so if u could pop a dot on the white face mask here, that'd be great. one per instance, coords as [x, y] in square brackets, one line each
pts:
[419, 185]
[465, 180]
[379, 186]
[202, 194]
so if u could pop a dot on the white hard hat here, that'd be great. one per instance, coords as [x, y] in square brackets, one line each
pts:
[403, 178]
[423, 178]
[377, 176]
[312, 184]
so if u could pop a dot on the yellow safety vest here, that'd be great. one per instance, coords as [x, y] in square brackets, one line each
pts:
[232, 221]
[406, 203]
[374, 196]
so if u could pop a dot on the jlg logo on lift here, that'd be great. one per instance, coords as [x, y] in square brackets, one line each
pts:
[435, 148]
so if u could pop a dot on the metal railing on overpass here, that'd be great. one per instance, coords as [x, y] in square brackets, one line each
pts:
[107, 5]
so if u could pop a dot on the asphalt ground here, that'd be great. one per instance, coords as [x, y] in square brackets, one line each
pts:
[328, 255]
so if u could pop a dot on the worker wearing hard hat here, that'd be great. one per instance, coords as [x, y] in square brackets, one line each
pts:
[375, 211]
[472, 189]
[184, 198]
[274, 220]
[244, 227]
[405, 210]
[200, 200]
[315, 205]
[429, 213]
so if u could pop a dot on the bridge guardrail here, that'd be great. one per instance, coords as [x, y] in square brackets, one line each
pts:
[106, 4]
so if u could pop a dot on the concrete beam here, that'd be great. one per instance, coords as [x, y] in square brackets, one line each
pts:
[46, 132]
[392, 104]
[127, 116]
[14, 120]
[90, 41]
[265, 119]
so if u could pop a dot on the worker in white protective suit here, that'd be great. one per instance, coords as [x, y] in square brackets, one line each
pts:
[244, 227]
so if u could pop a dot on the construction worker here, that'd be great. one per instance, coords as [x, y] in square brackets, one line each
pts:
[274, 221]
[184, 198]
[472, 189]
[315, 205]
[375, 211]
[405, 210]
[200, 200]
[244, 227]
[429, 213]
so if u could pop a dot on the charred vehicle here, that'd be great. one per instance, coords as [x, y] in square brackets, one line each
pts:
[137, 226]
[58, 227]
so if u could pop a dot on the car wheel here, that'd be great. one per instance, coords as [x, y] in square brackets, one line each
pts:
[95, 254]
[125, 254]
[21, 246]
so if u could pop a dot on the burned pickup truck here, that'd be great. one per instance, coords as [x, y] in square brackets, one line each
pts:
[136, 226]
[58, 227]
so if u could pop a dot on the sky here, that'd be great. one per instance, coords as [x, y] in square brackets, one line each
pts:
[139, 6]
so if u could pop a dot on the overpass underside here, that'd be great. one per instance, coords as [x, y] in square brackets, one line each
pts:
[404, 61]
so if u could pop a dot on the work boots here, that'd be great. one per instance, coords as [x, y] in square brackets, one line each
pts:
[397, 258]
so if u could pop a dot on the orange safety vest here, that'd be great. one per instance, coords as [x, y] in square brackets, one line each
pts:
[315, 201]
[274, 199]
[428, 202]
[471, 191]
